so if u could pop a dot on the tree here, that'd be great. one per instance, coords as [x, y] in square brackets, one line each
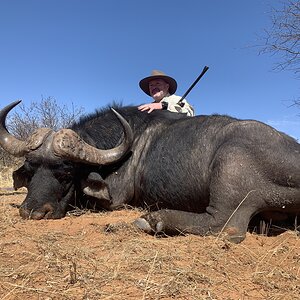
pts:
[283, 38]
[46, 113]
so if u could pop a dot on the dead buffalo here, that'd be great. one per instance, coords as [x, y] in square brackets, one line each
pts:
[199, 175]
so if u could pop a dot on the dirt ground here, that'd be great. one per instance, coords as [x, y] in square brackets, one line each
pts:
[101, 256]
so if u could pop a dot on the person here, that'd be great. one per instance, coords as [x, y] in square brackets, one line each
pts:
[162, 88]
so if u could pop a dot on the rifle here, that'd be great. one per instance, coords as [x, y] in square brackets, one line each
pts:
[191, 87]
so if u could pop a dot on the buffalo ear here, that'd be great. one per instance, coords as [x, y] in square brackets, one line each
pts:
[20, 178]
[95, 186]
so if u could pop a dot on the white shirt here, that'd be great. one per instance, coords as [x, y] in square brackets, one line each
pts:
[173, 105]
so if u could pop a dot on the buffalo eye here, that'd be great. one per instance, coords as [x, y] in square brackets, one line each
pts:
[29, 168]
[63, 172]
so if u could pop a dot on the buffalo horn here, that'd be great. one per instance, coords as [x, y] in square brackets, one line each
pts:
[68, 144]
[13, 145]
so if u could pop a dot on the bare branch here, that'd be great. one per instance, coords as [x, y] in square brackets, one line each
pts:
[46, 113]
[283, 39]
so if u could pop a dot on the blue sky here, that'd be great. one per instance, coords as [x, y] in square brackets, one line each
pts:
[93, 52]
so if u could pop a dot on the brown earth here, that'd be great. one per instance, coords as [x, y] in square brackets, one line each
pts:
[101, 256]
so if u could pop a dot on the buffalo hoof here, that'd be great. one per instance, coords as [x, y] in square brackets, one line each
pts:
[233, 235]
[236, 239]
[144, 225]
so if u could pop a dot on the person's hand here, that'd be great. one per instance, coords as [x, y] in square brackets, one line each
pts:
[150, 107]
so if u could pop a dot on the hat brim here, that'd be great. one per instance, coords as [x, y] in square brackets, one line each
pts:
[144, 83]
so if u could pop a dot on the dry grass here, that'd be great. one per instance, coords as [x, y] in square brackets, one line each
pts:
[82, 257]
[6, 178]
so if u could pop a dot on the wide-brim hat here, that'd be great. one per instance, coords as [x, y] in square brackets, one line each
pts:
[155, 74]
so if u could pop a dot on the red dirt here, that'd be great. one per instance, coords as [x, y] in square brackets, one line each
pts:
[82, 257]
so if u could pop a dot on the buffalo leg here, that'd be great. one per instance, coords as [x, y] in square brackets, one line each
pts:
[174, 222]
[236, 194]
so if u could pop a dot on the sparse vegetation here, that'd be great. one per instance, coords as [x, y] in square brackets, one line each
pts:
[85, 258]
[282, 39]
[45, 113]
[24, 120]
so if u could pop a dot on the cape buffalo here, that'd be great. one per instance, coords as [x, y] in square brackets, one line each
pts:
[200, 175]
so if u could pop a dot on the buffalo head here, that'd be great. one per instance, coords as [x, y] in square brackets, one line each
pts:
[54, 163]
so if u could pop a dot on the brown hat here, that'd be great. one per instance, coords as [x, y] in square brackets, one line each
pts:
[155, 74]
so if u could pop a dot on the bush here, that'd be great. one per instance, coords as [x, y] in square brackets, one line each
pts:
[46, 113]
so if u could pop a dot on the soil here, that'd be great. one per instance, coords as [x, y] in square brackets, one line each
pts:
[102, 256]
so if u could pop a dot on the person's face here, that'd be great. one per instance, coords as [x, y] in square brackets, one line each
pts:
[158, 89]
